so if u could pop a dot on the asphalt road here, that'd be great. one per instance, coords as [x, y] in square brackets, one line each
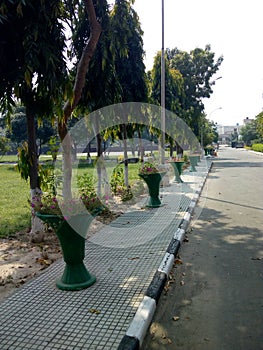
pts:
[215, 297]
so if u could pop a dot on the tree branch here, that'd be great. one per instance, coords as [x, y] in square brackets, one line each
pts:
[82, 68]
[88, 51]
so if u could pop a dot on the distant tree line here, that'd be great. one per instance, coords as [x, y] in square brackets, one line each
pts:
[252, 131]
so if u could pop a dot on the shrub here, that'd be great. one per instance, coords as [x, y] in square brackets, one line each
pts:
[120, 158]
[126, 194]
[258, 147]
[117, 179]
[86, 184]
[118, 186]
[4, 147]
[185, 158]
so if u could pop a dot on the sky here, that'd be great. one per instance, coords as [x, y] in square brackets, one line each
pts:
[233, 28]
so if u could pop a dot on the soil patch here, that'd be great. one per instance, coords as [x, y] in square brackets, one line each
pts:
[21, 260]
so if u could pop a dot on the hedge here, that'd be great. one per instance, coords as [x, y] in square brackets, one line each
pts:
[258, 147]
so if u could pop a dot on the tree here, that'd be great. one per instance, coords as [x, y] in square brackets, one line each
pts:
[130, 69]
[249, 132]
[174, 92]
[32, 65]
[17, 131]
[101, 87]
[128, 47]
[259, 124]
[197, 68]
[79, 83]
[208, 131]
[33, 69]
[4, 145]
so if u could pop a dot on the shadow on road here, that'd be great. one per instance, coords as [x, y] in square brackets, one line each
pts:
[239, 164]
[233, 203]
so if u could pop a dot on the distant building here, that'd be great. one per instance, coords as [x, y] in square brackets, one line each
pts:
[247, 120]
[225, 132]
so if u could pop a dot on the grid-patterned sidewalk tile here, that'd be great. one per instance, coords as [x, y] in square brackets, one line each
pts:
[124, 256]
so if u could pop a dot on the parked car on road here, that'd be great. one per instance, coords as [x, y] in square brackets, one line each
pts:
[240, 144]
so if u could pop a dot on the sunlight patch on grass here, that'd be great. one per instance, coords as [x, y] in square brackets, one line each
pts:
[14, 196]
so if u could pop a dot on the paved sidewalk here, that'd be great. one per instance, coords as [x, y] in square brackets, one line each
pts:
[124, 256]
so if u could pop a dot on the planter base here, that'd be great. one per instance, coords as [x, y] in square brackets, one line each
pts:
[193, 161]
[153, 202]
[75, 277]
[178, 181]
[153, 183]
[177, 166]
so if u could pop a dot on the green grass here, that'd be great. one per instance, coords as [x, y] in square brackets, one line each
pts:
[258, 147]
[13, 158]
[133, 170]
[14, 195]
[14, 192]
[9, 159]
[14, 207]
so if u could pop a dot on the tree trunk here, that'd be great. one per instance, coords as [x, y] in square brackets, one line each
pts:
[152, 154]
[179, 150]
[67, 159]
[160, 149]
[125, 154]
[88, 152]
[133, 147]
[37, 227]
[74, 151]
[99, 163]
[140, 145]
[171, 148]
[32, 150]
[82, 68]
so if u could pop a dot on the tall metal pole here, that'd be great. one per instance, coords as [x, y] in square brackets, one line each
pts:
[162, 92]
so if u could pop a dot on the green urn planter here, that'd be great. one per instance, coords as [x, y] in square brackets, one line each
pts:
[153, 182]
[177, 166]
[194, 159]
[71, 235]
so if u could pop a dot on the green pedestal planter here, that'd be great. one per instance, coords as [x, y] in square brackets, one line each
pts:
[177, 166]
[194, 161]
[153, 183]
[72, 241]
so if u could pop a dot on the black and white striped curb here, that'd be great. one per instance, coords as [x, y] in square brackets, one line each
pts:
[138, 327]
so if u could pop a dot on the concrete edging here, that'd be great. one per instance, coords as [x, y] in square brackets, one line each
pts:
[138, 327]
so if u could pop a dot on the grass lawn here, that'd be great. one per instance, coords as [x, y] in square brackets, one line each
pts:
[14, 207]
[12, 158]
[15, 193]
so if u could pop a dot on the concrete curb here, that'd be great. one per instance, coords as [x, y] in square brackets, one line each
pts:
[255, 152]
[138, 327]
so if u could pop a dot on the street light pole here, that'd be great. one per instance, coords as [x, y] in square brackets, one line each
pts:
[214, 111]
[162, 92]
[202, 136]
